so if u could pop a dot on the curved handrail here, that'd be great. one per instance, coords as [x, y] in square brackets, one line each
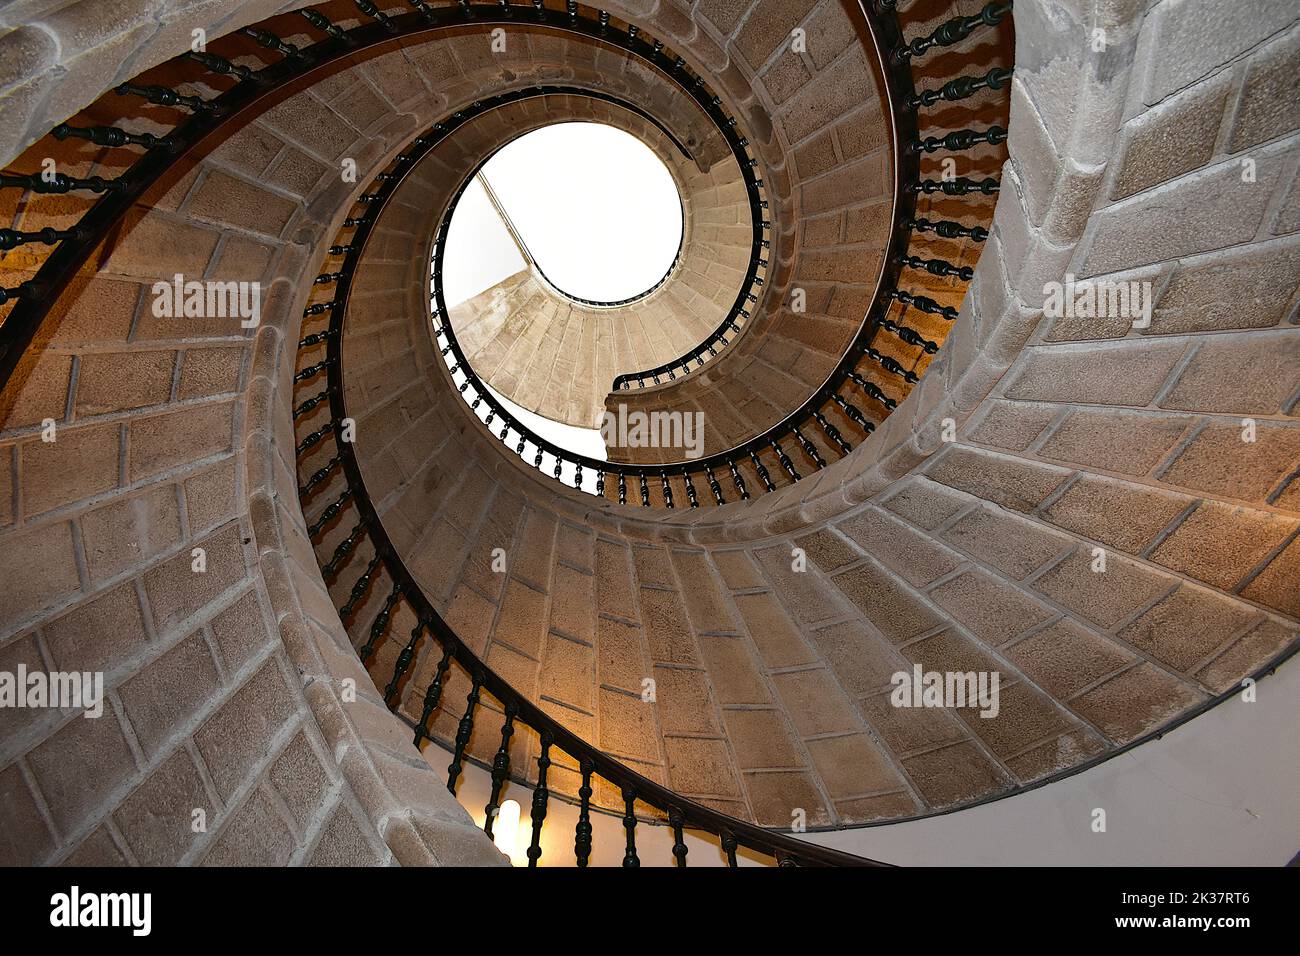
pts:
[253, 92]
[682, 812]
[894, 56]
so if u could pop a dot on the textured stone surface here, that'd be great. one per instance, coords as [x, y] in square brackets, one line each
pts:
[774, 682]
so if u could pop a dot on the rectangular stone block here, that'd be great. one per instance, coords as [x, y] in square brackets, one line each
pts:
[129, 531]
[1103, 597]
[760, 740]
[167, 692]
[176, 590]
[239, 735]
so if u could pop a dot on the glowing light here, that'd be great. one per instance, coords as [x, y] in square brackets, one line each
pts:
[505, 829]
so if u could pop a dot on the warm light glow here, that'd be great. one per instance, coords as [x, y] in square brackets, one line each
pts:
[505, 829]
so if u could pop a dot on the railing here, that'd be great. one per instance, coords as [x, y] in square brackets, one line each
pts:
[763, 463]
[248, 91]
[680, 813]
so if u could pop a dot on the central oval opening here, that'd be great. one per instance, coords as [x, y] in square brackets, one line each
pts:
[592, 207]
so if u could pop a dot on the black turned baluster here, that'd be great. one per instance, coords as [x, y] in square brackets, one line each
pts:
[311, 371]
[873, 390]
[464, 730]
[645, 492]
[219, 64]
[784, 459]
[577, 475]
[24, 290]
[738, 480]
[954, 31]
[891, 365]
[314, 437]
[403, 662]
[948, 229]
[359, 589]
[675, 820]
[959, 139]
[342, 551]
[853, 413]
[500, 768]
[622, 488]
[668, 491]
[110, 136]
[540, 796]
[12, 238]
[961, 186]
[832, 432]
[322, 23]
[600, 482]
[690, 489]
[938, 267]
[728, 840]
[271, 41]
[809, 448]
[714, 486]
[380, 624]
[372, 11]
[161, 96]
[311, 403]
[910, 336]
[629, 824]
[924, 303]
[319, 476]
[433, 695]
[559, 466]
[58, 183]
[329, 513]
[582, 837]
[960, 88]
[763, 476]
[424, 9]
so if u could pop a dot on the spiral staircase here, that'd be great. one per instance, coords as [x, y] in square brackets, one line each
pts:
[333, 582]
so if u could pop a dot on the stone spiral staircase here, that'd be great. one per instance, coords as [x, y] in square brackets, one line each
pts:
[294, 549]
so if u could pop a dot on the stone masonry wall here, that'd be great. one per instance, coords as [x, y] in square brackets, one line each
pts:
[226, 689]
[1073, 441]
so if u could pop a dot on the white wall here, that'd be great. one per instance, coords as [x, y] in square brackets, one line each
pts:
[1222, 790]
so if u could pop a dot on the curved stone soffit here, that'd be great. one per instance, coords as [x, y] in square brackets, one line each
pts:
[265, 695]
[973, 554]
[556, 357]
[196, 452]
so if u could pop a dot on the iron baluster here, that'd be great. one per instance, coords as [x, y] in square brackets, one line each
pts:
[403, 662]
[464, 730]
[359, 588]
[679, 842]
[500, 767]
[629, 824]
[329, 513]
[433, 695]
[341, 553]
[380, 623]
[582, 833]
[540, 797]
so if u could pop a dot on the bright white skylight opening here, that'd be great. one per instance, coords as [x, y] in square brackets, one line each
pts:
[480, 251]
[596, 209]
